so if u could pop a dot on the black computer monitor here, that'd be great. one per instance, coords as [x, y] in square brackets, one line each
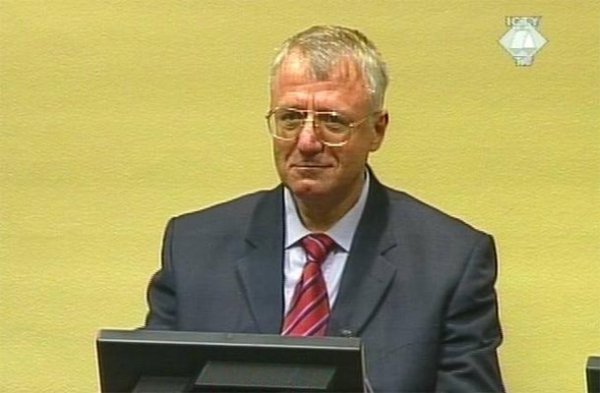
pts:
[592, 372]
[169, 361]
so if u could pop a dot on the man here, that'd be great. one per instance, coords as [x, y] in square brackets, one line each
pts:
[415, 284]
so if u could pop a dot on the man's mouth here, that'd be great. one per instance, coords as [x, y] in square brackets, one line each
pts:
[310, 165]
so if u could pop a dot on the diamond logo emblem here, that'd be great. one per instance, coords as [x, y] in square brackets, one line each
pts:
[523, 40]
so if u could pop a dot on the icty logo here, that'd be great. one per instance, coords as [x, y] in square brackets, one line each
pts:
[523, 40]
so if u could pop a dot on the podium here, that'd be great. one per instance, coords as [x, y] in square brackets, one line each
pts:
[169, 361]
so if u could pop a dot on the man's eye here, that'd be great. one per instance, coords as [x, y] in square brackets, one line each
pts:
[288, 116]
[333, 122]
[333, 119]
[289, 120]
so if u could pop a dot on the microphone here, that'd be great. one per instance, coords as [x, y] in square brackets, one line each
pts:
[345, 332]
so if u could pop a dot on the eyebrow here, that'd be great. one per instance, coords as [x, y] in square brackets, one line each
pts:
[328, 110]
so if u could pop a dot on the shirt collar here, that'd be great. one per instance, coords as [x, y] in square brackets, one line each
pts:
[342, 231]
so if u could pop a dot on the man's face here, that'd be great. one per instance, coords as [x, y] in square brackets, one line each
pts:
[310, 169]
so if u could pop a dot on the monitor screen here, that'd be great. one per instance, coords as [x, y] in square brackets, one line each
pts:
[169, 361]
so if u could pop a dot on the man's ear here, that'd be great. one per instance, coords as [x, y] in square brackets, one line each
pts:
[379, 128]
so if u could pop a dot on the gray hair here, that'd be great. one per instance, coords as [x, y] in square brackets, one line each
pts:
[325, 46]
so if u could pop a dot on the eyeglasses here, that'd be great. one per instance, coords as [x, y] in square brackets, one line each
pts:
[331, 128]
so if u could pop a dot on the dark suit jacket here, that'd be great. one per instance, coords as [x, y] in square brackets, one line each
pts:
[418, 287]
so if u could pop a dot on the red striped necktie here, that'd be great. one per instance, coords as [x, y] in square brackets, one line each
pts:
[309, 311]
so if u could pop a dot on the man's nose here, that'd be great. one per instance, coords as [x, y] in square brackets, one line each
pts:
[308, 142]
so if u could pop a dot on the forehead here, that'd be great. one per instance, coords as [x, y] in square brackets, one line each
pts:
[297, 83]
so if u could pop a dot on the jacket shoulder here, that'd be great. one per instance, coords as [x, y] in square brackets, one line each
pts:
[411, 212]
[235, 213]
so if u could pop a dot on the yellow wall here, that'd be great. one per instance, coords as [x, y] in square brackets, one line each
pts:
[116, 115]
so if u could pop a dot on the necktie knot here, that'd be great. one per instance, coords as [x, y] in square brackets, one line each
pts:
[317, 246]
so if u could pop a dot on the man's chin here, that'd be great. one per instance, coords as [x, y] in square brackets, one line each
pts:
[307, 189]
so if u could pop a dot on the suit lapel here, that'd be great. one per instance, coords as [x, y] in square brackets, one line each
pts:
[260, 270]
[367, 274]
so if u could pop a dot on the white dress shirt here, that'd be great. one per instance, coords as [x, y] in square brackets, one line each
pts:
[333, 267]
